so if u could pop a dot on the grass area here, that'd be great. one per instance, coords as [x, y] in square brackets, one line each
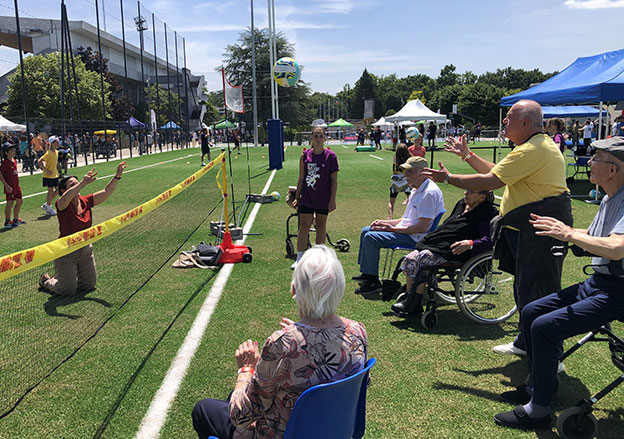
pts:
[442, 383]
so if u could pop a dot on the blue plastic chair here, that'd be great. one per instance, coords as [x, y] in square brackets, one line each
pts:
[391, 250]
[331, 411]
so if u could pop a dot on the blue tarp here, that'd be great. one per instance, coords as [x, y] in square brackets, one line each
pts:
[570, 111]
[171, 125]
[135, 123]
[587, 80]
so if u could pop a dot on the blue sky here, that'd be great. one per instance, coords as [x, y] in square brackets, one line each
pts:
[336, 39]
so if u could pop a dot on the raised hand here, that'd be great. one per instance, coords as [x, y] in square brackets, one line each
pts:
[457, 146]
[89, 177]
[436, 175]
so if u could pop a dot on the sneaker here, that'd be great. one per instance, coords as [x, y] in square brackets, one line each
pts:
[50, 211]
[560, 367]
[44, 206]
[520, 395]
[362, 277]
[9, 225]
[43, 279]
[518, 418]
[508, 349]
[19, 221]
[369, 288]
[203, 164]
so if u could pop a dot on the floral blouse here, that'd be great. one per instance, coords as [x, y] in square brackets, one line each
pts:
[292, 360]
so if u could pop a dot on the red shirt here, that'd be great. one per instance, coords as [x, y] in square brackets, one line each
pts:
[8, 169]
[417, 151]
[69, 220]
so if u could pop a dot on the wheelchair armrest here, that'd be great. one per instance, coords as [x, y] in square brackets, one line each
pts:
[559, 250]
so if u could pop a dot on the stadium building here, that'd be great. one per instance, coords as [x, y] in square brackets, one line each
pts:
[41, 36]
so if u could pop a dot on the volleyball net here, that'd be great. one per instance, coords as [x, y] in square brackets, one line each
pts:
[39, 331]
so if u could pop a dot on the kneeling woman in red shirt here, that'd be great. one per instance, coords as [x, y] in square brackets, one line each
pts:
[76, 271]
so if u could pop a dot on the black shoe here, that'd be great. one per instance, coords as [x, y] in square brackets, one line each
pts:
[362, 277]
[369, 288]
[517, 396]
[517, 418]
[412, 304]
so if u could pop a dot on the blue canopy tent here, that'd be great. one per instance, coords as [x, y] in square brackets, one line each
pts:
[135, 123]
[171, 125]
[570, 111]
[588, 80]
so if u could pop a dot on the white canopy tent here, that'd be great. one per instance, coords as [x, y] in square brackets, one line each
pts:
[416, 110]
[384, 124]
[7, 125]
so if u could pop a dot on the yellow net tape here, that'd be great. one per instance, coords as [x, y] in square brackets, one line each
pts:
[24, 260]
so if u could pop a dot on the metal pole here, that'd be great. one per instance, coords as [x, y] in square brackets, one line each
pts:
[62, 78]
[275, 58]
[599, 135]
[186, 97]
[253, 79]
[154, 135]
[97, 20]
[123, 39]
[73, 66]
[140, 22]
[175, 35]
[271, 60]
[168, 84]
[19, 45]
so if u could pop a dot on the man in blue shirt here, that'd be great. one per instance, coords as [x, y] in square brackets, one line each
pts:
[578, 309]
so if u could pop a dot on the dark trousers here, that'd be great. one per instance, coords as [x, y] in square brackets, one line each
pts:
[548, 321]
[211, 417]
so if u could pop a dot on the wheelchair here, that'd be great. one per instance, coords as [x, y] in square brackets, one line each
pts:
[482, 292]
[578, 422]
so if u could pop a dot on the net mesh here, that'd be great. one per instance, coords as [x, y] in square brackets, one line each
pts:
[39, 331]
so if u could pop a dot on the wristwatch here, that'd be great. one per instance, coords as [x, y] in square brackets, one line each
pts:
[446, 179]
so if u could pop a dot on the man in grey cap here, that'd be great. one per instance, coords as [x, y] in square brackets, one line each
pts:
[548, 321]
[424, 204]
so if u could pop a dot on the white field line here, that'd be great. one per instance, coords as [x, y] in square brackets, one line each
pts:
[125, 172]
[375, 157]
[157, 413]
[345, 147]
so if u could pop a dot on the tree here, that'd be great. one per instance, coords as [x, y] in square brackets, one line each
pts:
[447, 76]
[121, 107]
[43, 90]
[165, 104]
[417, 94]
[295, 108]
[364, 89]
[445, 97]
[481, 102]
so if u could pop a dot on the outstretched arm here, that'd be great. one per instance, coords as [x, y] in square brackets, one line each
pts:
[101, 196]
[459, 147]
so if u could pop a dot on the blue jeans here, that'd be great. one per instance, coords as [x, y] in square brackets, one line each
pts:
[370, 243]
[548, 321]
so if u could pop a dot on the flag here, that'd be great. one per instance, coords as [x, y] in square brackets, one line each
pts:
[232, 95]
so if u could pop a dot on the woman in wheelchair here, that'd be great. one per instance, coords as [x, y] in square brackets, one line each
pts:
[578, 309]
[465, 233]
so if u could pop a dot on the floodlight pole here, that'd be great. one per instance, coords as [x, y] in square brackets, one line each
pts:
[156, 134]
[101, 62]
[253, 78]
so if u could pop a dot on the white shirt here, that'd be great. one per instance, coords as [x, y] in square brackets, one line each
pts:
[425, 202]
[587, 131]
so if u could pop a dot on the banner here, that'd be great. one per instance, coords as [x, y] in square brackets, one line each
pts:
[232, 95]
[24, 260]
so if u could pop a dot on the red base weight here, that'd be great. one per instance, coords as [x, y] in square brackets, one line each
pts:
[233, 253]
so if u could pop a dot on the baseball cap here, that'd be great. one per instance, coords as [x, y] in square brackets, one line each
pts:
[53, 139]
[414, 162]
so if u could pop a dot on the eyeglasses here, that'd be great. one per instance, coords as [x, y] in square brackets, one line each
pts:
[595, 160]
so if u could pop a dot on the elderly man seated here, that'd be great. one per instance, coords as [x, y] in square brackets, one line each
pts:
[548, 321]
[424, 204]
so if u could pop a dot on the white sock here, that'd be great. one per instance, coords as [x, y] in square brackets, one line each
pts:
[299, 255]
[536, 411]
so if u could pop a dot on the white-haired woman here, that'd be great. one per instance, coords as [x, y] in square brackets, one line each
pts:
[321, 347]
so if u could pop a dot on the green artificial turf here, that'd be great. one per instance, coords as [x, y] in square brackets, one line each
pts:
[440, 383]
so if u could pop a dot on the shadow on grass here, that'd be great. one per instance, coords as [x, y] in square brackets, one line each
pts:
[43, 217]
[55, 301]
[261, 174]
[453, 322]
[111, 412]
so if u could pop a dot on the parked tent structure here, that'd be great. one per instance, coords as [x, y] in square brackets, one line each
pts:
[171, 125]
[415, 110]
[7, 125]
[570, 111]
[384, 124]
[135, 123]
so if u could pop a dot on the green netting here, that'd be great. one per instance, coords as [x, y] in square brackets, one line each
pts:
[39, 331]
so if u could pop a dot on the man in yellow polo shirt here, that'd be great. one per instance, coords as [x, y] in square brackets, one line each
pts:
[48, 163]
[534, 178]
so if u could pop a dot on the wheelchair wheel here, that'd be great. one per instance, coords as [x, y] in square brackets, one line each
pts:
[484, 294]
[429, 319]
[290, 248]
[577, 423]
[343, 245]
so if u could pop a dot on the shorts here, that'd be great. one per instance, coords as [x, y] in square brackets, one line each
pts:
[309, 210]
[205, 149]
[399, 184]
[15, 195]
[50, 182]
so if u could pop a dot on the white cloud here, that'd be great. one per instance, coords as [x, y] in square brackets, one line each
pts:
[594, 4]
